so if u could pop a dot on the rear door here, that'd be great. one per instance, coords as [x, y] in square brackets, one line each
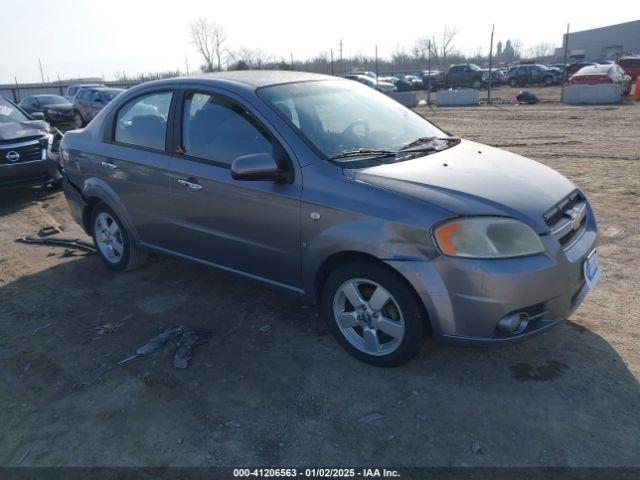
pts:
[247, 226]
[133, 161]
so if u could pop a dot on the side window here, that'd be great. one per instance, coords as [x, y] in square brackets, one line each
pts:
[214, 128]
[142, 122]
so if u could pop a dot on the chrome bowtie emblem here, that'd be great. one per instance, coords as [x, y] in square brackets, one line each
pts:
[13, 156]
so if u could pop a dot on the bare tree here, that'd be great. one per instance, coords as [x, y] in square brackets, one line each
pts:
[245, 58]
[209, 39]
[542, 50]
[446, 46]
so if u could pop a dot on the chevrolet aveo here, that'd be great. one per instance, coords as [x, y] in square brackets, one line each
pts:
[335, 192]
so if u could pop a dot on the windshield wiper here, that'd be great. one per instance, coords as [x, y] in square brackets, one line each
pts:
[422, 140]
[364, 152]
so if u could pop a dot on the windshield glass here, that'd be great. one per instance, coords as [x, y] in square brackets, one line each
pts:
[9, 113]
[110, 94]
[339, 116]
[51, 99]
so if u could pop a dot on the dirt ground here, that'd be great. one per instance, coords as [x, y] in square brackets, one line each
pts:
[288, 395]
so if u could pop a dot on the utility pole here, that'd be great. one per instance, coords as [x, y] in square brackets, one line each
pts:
[186, 64]
[376, 65]
[332, 73]
[291, 60]
[490, 65]
[429, 74]
[41, 74]
[564, 75]
[341, 47]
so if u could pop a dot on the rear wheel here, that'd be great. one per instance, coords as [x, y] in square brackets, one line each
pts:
[373, 314]
[78, 121]
[113, 242]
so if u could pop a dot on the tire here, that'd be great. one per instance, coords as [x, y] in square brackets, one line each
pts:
[78, 121]
[394, 331]
[548, 81]
[118, 251]
[477, 84]
[513, 82]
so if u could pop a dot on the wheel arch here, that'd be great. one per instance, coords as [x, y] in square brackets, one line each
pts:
[349, 256]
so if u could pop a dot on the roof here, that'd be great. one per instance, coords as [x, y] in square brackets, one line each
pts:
[594, 70]
[261, 78]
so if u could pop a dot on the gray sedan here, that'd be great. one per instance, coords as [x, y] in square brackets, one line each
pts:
[332, 191]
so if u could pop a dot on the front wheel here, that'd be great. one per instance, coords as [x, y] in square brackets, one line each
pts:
[374, 314]
[513, 82]
[477, 84]
[114, 243]
[548, 81]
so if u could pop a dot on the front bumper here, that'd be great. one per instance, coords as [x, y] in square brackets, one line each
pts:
[34, 173]
[466, 298]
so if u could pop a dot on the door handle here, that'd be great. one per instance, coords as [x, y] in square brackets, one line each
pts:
[190, 185]
[108, 165]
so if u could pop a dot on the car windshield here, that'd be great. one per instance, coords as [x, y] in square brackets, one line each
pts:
[9, 113]
[473, 66]
[111, 94]
[51, 99]
[338, 116]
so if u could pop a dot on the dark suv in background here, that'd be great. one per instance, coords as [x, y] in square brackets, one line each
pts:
[533, 74]
[89, 101]
[57, 110]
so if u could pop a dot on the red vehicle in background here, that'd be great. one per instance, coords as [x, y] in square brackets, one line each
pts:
[631, 66]
[597, 74]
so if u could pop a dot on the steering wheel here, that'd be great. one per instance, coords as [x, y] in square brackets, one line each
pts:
[350, 129]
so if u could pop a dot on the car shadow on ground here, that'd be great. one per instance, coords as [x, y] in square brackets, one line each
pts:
[273, 388]
[14, 200]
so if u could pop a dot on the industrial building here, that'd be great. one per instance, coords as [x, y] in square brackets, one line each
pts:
[604, 43]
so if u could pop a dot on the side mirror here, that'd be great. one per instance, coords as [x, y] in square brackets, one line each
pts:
[38, 116]
[258, 166]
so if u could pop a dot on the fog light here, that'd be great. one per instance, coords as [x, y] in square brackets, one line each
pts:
[514, 322]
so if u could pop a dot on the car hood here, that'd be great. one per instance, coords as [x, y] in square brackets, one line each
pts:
[25, 129]
[474, 179]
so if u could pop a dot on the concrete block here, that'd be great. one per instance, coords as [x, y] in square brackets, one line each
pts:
[409, 99]
[457, 98]
[592, 94]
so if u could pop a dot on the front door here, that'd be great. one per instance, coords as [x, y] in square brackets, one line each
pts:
[251, 227]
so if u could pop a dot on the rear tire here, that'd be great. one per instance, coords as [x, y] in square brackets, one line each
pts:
[114, 243]
[78, 121]
[387, 327]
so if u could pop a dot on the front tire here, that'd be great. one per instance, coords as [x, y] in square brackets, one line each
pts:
[548, 81]
[513, 82]
[373, 314]
[113, 242]
[476, 85]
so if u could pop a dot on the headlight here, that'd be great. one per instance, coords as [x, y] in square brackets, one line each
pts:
[487, 237]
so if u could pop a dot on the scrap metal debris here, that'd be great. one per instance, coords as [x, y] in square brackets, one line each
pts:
[59, 242]
[155, 344]
[184, 349]
[47, 231]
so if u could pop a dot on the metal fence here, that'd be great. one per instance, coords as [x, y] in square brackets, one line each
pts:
[17, 91]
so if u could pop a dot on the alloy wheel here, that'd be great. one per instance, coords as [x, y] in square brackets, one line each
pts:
[368, 316]
[109, 237]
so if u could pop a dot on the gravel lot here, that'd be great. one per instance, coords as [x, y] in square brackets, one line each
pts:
[288, 395]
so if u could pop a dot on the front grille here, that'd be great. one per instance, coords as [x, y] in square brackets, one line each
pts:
[567, 219]
[25, 180]
[27, 151]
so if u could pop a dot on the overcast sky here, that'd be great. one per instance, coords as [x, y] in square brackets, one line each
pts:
[96, 38]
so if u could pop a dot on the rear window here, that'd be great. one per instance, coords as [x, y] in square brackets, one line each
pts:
[142, 122]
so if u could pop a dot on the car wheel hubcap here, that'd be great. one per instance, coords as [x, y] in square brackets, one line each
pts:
[368, 316]
[109, 237]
